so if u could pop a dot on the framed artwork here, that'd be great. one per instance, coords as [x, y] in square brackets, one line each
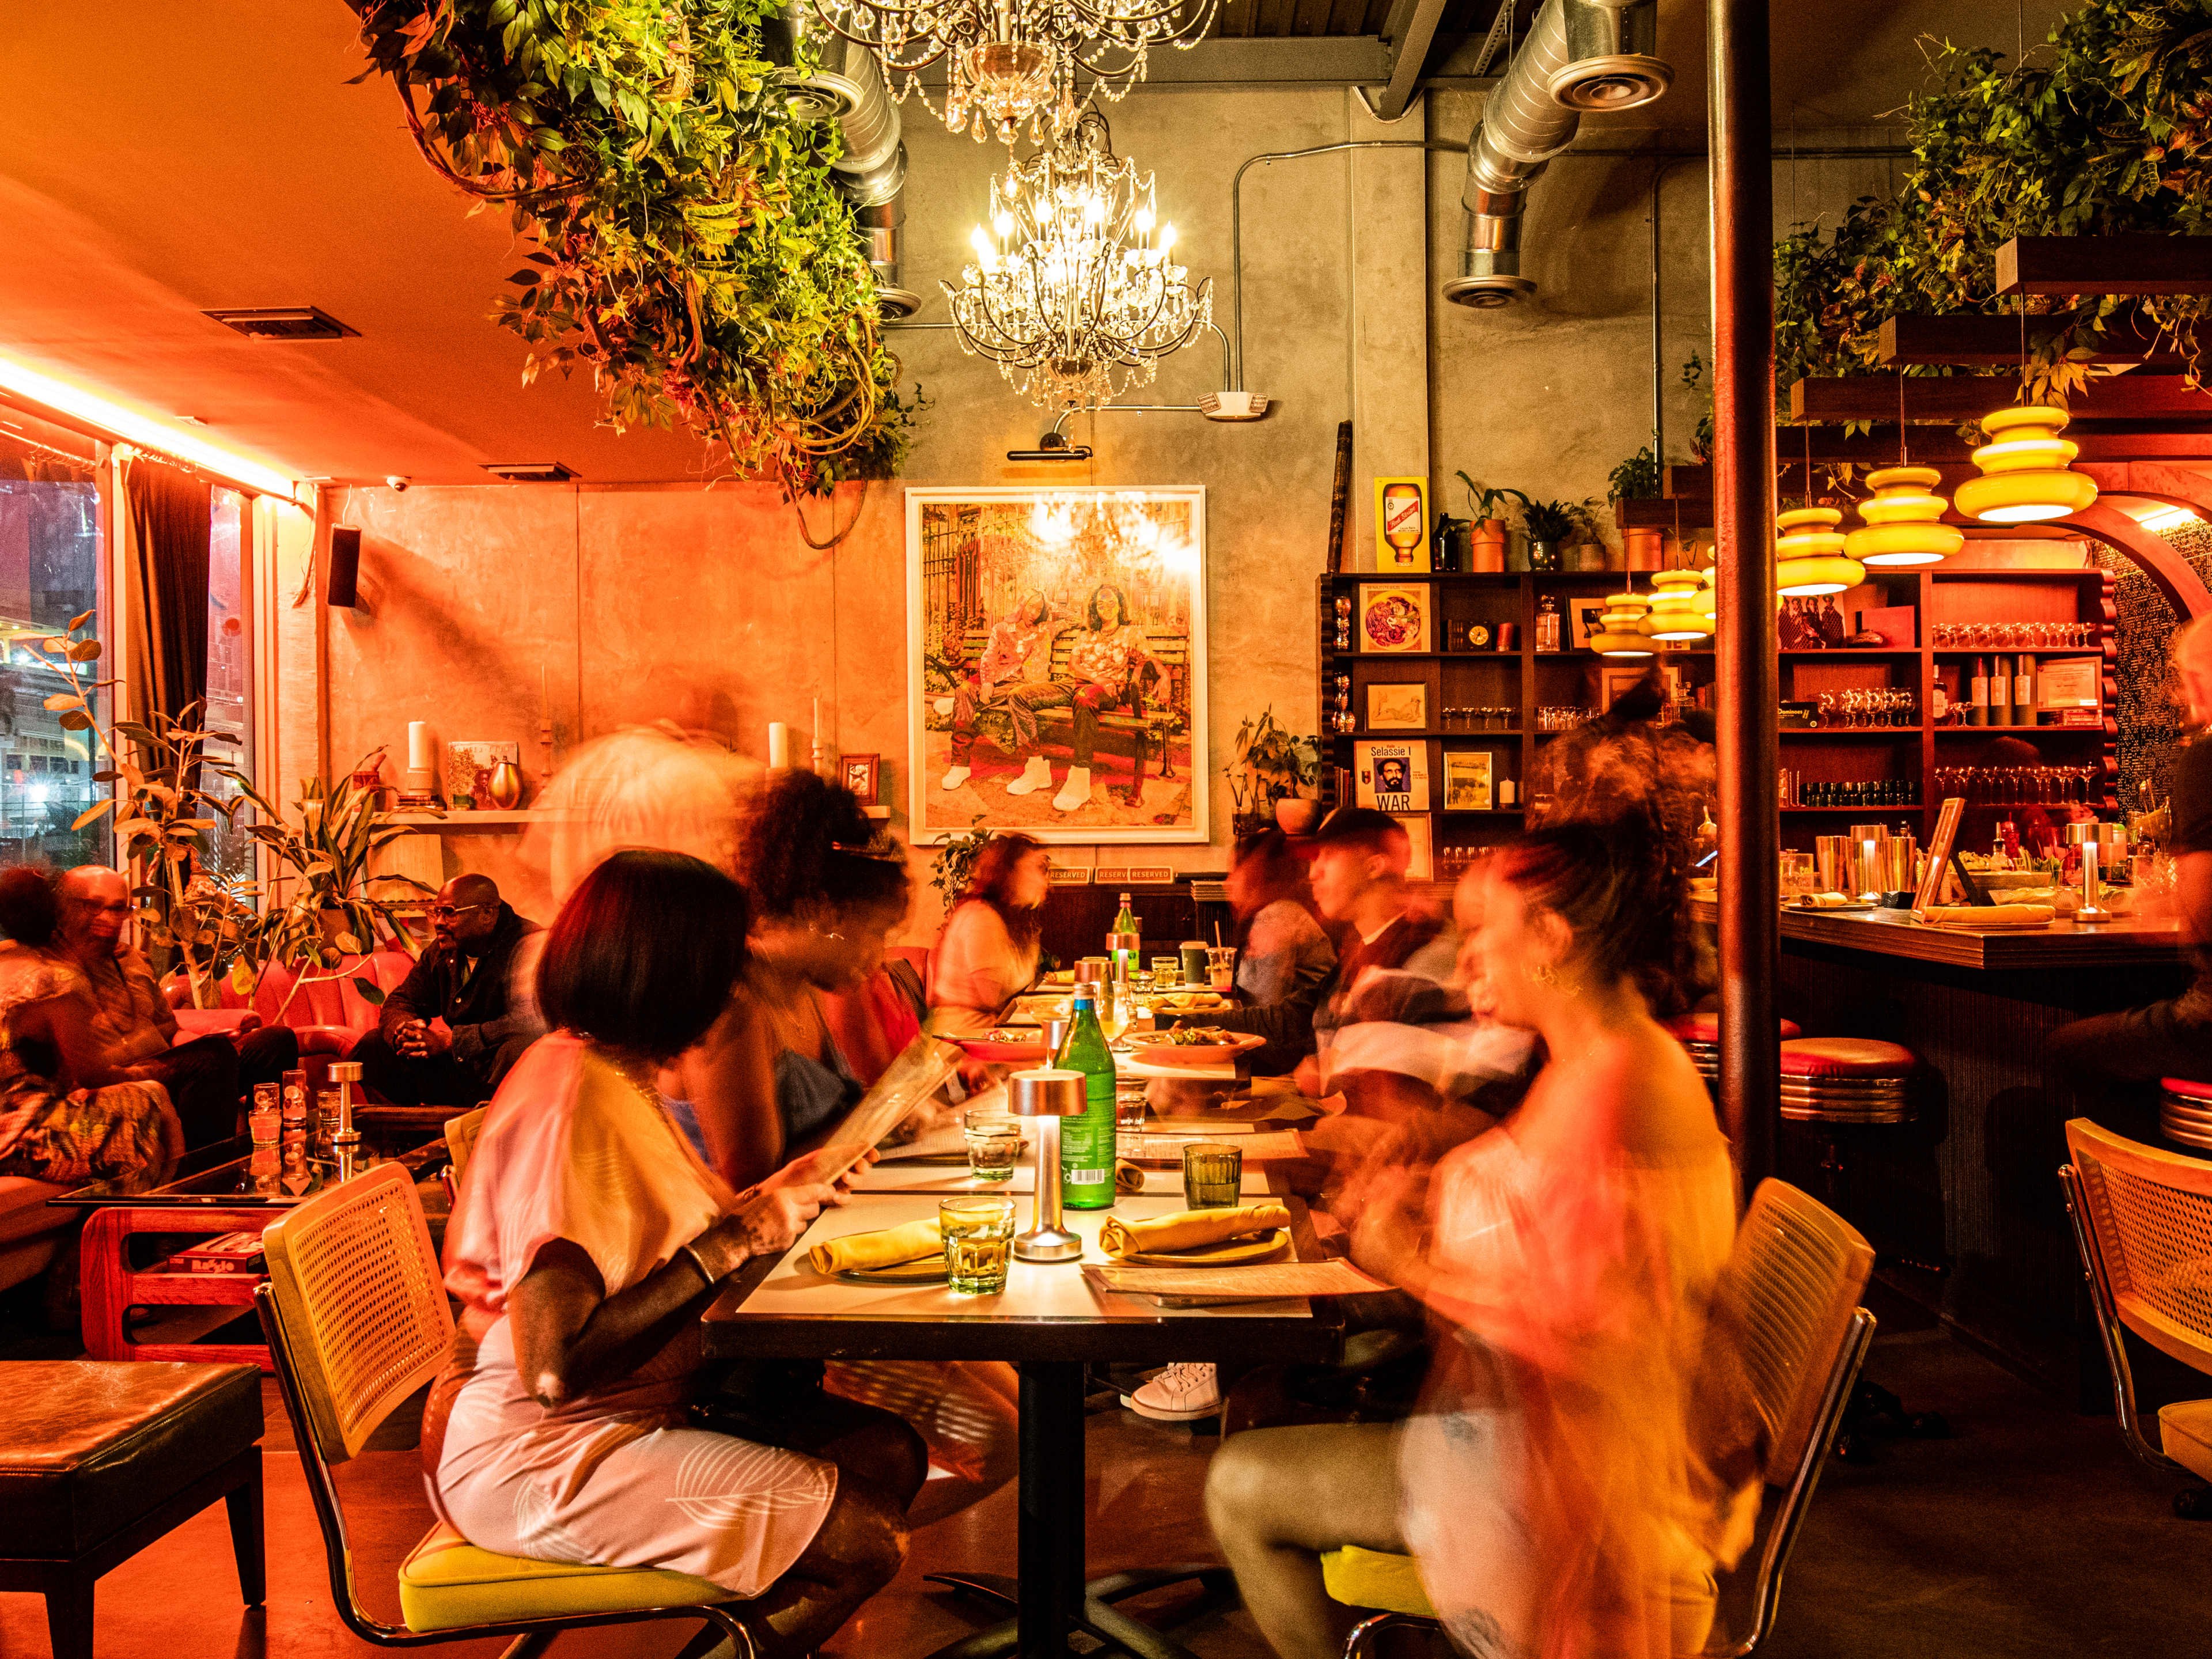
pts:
[1394, 616]
[858, 774]
[1466, 780]
[1586, 617]
[1392, 777]
[1421, 866]
[1402, 525]
[1612, 681]
[1056, 663]
[469, 767]
[1398, 706]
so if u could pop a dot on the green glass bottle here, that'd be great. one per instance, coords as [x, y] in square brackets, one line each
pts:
[1087, 1143]
[1125, 943]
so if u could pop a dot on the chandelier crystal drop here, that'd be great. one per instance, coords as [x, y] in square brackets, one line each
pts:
[1074, 292]
[1009, 62]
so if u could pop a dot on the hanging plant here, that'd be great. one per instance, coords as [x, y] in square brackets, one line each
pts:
[2107, 131]
[690, 251]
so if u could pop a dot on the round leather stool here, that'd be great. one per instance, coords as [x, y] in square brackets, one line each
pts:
[1699, 1033]
[2185, 1112]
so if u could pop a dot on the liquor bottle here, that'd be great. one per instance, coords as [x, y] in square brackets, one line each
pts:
[1125, 941]
[1939, 706]
[1977, 695]
[1087, 1143]
[2023, 691]
[2001, 694]
[1547, 623]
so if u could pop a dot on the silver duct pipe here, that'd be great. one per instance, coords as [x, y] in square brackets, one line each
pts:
[848, 88]
[1575, 58]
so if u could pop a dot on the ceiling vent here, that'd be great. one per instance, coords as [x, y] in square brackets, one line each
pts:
[283, 323]
[529, 471]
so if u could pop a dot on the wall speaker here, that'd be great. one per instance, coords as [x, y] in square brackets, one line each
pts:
[346, 567]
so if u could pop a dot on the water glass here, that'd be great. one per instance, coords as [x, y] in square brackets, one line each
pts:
[979, 1242]
[1166, 971]
[1129, 1104]
[1212, 1175]
[994, 1145]
[266, 1119]
[1220, 966]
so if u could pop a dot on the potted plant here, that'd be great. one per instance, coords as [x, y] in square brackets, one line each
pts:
[1488, 506]
[1268, 768]
[1550, 523]
[1637, 479]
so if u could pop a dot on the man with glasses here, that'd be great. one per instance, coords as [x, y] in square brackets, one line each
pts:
[456, 1024]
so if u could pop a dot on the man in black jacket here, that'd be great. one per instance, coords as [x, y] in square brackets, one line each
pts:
[454, 1026]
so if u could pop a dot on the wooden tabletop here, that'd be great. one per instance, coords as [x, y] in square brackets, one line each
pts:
[2123, 942]
[779, 1308]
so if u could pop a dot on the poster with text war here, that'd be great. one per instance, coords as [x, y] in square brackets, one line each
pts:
[1391, 777]
[1058, 649]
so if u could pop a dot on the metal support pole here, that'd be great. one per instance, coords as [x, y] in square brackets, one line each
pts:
[1052, 1500]
[1742, 121]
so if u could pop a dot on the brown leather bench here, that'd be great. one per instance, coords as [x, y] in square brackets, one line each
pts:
[98, 1458]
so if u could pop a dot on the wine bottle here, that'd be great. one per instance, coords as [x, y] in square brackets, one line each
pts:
[1087, 1143]
[1125, 941]
[1977, 697]
[2000, 692]
[2023, 691]
[1939, 705]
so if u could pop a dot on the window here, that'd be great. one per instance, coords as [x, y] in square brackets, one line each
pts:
[228, 716]
[51, 537]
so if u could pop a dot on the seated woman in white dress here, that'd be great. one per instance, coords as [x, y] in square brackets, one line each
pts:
[586, 1238]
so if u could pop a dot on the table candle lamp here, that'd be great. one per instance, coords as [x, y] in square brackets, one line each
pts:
[2091, 858]
[345, 1139]
[1047, 1095]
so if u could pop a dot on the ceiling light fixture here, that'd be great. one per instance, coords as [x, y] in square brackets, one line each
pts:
[1676, 613]
[127, 426]
[1808, 555]
[1619, 631]
[1903, 520]
[1074, 292]
[2026, 468]
[1012, 62]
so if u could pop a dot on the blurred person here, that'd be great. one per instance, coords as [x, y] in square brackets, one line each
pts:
[134, 1022]
[586, 1240]
[451, 1031]
[987, 953]
[1017, 661]
[2114, 1061]
[66, 1114]
[1283, 955]
[1558, 1487]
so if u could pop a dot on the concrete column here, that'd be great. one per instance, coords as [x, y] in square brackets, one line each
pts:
[1387, 233]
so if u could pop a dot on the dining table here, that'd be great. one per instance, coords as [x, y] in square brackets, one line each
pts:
[1051, 1323]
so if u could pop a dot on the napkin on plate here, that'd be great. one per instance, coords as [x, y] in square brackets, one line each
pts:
[886, 1247]
[1186, 1229]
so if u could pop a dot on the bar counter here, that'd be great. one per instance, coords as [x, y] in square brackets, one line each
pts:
[1963, 1204]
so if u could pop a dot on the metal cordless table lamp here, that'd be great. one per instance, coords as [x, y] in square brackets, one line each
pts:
[1048, 1095]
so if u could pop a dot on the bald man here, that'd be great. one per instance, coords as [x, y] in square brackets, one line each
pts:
[2114, 1061]
[451, 1030]
[205, 1077]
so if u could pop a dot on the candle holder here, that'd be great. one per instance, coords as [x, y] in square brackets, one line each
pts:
[1048, 1095]
[345, 1139]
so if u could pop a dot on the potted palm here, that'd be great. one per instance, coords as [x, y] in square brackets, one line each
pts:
[1269, 767]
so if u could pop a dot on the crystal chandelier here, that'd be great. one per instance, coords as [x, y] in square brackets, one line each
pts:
[1011, 61]
[1074, 292]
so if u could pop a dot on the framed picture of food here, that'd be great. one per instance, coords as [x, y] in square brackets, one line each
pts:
[1394, 616]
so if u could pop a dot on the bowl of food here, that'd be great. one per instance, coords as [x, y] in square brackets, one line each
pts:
[1022, 1045]
[1192, 1045]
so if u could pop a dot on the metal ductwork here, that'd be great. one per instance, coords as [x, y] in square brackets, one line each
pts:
[1579, 55]
[848, 88]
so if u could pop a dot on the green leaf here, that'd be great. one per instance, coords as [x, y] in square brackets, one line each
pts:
[371, 991]
[90, 814]
[75, 720]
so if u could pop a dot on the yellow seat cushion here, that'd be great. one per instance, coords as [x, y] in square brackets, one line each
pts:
[1372, 1578]
[447, 1581]
[2184, 1428]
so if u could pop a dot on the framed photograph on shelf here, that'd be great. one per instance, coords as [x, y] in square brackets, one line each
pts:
[1585, 616]
[1466, 780]
[858, 774]
[1391, 777]
[1422, 865]
[1612, 681]
[1398, 706]
[1394, 616]
[1041, 593]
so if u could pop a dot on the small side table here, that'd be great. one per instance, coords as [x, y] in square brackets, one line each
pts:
[111, 1288]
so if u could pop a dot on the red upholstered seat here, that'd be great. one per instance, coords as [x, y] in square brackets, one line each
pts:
[2187, 1088]
[1846, 1057]
[1706, 1028]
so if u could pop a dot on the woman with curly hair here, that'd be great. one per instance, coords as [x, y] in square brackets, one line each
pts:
[987, 953]
[66, 1114]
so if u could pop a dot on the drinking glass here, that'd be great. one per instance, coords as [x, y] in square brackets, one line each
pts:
[1114, 1016]
[979, 1242]
[266, 1119]
[1129, 1104]
[1212, 1175]
[994, 1145]
[1166, 970]
[1220, 966]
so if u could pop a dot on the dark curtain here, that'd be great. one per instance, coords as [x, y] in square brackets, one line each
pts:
[171, 515]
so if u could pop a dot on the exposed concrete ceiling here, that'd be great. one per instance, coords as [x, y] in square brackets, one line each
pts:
[204, 156]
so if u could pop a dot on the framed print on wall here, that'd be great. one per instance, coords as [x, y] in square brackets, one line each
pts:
[858, 774]
[1394, 616]
[1398, 706]
[1466, 780]
[1056, 663]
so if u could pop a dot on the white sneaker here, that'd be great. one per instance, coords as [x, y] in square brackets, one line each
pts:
[955, 778]
[1075, 791]
[1034, 776]
[1181, 1394]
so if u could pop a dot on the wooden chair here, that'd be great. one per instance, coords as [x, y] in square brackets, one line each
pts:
[2143, 1220]
[357, 1321]
[1790, 1296]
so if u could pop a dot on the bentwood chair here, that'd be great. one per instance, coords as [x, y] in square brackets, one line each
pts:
[2143, 1220]
[1788, 1324]
[357, 1321]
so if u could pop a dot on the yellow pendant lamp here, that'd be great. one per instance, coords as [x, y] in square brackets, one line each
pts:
[1677, 614]
[1808, 555]
[2026, 469]
[1902, 520]
[1619, 632]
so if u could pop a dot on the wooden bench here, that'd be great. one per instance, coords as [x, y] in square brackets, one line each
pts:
[1166, 707]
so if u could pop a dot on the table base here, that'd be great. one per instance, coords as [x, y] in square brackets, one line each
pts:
[1098, 1616]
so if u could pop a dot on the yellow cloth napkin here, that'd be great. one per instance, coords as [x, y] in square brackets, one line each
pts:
[1188, 1228]
[1128, 1178]
[885, 1248]
[2002, 914]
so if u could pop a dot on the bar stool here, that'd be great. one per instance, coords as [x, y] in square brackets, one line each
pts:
[2185, 1112]
[1700, 1035]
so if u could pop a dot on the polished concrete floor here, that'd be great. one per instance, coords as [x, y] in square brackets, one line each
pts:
[2030, 1533]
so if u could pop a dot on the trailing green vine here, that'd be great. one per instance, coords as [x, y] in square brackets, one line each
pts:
[2106, 130]
[690, 251]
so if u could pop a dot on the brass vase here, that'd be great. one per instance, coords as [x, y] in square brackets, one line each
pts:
[505, 786]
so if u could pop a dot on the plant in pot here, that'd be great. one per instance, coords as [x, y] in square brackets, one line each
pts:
[1637, 479]
[1550, 524]
[956, 861]
[1269, 767]
[1488, 507]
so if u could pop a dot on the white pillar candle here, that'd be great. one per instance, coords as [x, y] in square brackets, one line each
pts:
[418, 747]
[779, 743]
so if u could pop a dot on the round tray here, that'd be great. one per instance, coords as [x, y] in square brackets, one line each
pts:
[1228, 1253]
[929, 1270]
[1146, 1047]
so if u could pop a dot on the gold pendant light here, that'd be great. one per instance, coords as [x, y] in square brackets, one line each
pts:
[1619, 631]
[2026, 468]
[1678, 613]
[1903, 520]
[1808, 555]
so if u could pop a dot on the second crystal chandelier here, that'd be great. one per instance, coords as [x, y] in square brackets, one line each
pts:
[1074, 292]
